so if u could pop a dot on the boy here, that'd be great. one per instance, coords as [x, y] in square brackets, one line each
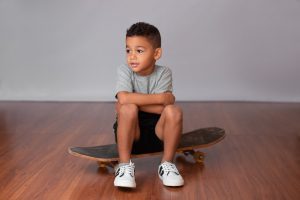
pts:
[147, 119]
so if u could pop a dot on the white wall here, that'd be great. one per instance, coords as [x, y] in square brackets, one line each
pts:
[218, 50]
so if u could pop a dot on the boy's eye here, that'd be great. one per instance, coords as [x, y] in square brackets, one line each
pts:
[127, 51]
[140, 51]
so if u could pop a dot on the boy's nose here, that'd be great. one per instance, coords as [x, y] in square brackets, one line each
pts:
[132, 56]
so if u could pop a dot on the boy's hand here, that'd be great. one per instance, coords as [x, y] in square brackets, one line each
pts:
[169, 98]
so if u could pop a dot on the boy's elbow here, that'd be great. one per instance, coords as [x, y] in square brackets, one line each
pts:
[122, 97]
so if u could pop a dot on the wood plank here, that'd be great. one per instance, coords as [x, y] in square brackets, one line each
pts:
[258, 159]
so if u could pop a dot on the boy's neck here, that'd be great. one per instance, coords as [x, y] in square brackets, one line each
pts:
[151, 70]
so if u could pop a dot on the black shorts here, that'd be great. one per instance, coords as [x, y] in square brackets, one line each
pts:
[148, 141]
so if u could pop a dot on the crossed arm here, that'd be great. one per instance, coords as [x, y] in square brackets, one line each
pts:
[152, 103]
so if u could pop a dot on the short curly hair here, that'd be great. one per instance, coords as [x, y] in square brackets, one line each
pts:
[146, 30]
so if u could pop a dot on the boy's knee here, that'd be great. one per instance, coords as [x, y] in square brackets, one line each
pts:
[129, 110]
[173, 112]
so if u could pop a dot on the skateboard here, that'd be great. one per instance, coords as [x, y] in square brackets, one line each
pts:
[107, 155]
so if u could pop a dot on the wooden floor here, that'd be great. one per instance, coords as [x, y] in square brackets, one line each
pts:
[258, 159]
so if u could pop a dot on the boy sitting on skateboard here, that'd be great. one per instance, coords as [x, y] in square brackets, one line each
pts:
[147, 119]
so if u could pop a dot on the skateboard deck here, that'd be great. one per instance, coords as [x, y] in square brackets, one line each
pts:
[107, 155]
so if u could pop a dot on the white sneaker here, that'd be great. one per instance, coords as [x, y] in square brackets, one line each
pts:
[169, 174]
[124, 175]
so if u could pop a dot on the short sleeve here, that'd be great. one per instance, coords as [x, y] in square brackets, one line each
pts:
[124, 82]
[164, 83]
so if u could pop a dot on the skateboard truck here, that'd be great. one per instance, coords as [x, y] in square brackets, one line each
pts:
[197, 155]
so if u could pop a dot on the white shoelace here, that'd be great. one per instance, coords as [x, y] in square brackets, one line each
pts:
[126, 169]
[169, 167]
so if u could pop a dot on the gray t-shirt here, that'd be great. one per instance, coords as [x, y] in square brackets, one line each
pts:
[159, 81]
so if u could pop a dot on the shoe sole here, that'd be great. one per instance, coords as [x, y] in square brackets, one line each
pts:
[170, 184]
[125, 184]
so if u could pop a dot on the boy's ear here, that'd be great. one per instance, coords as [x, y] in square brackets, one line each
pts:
[157, 53]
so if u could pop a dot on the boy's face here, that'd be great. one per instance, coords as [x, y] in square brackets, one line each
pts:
[141, 56]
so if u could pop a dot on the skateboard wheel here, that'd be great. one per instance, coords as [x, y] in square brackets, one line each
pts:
[199, 157]
[188, 152]
[111, 164]
[102, 164]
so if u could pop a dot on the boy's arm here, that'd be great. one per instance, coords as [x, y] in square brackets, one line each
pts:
[146, 99]
[150, 108]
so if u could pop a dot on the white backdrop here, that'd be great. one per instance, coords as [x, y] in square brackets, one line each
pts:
[218, 50]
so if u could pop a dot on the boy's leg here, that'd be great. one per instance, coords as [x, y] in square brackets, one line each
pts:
[128, 130]
[169, 130]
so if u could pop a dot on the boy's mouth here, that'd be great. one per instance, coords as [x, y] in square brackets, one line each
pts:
[134, 65]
